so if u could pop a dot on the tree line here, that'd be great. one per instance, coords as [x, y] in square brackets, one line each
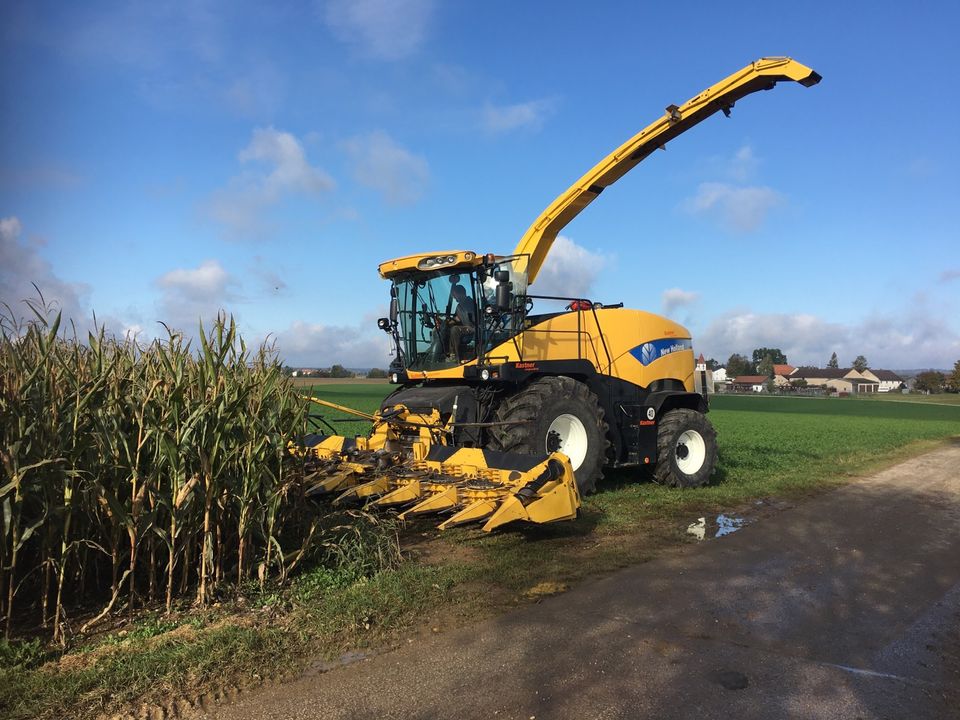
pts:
[335, 371]
[763, 359]
[934, 381]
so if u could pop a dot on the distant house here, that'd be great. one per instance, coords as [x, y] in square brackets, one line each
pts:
[853, 385]
[888, 380]
[749, 383]
[856, 382]
[781, 375]
[818, 376]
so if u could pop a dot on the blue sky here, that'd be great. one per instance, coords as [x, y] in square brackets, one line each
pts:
[159, 161]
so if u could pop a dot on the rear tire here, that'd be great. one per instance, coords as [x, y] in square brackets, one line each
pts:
[686, 449]
[555, 414]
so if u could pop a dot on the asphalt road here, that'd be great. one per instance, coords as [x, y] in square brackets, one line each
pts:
[846, 606]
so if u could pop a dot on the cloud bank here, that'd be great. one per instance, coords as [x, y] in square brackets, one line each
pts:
[912, 339]
[380, 29]
[570, 270]
[22, 267]
[276, 166]
[380, 163]
[520, 116]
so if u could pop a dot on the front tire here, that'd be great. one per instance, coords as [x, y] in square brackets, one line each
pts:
[686, 449]
[555, 414]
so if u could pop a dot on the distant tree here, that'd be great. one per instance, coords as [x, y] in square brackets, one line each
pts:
[929, 381]
[798, 384]
[712, 365]
[738, 365]
[953, 380]
[776, 355]
[339, 371]
[322, 373]
[376, 373]
[765, 366]
[834, 363]
[770, 386]
[860, 364]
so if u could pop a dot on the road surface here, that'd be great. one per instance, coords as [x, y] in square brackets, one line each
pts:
[846, 606]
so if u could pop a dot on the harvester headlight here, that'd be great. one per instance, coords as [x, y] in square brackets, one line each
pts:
[485, 374]
[395, 378]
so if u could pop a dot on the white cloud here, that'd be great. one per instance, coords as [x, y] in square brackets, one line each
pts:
[381, 29]
[378, 162]
[740, 209]
[258, 93]
[569, 270]
[744, 164]
[277, 166]
[22, 267]
[675, 298]
[290, 169]
[506, 118]
[913, 338]
[736, 205]
[317, 345]
[188, 295]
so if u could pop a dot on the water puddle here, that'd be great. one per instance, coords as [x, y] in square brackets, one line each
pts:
[723, 525]
[727, 525]
[348, 658]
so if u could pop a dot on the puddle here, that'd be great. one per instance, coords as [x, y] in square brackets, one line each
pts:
[698, 529]
[348, 658]
[723, 525]
[727, 525]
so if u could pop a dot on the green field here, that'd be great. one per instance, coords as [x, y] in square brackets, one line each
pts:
[772, 450]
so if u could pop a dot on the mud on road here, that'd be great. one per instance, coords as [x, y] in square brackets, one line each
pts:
[844, 606]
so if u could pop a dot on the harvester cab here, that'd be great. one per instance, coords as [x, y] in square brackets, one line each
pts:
[502, 413]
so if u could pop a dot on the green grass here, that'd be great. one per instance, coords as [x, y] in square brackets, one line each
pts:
[770, 447]
[366, 398]
[937, 399]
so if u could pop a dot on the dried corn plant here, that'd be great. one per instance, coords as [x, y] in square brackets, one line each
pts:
[144, 473]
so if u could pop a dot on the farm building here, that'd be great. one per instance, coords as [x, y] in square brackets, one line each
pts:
[888, 381]
[848, 379]
[853, 385]
[749, 383]
[818, 376]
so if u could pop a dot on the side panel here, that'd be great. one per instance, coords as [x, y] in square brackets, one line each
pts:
[630, 345]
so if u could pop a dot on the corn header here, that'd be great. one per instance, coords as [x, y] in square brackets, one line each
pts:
[407, 462]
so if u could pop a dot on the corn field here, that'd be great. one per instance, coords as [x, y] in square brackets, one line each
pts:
[143, 473]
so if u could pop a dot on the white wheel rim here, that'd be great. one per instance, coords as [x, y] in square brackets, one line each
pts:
[571, 436]
[691, 452]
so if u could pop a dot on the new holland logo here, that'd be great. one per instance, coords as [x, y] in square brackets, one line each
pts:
[656, 349]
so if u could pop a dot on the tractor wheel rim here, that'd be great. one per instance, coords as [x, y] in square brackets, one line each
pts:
[567, 434]
[691, 452]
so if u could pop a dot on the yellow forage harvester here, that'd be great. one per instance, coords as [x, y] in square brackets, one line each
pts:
[509, 404]
[405, 462]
